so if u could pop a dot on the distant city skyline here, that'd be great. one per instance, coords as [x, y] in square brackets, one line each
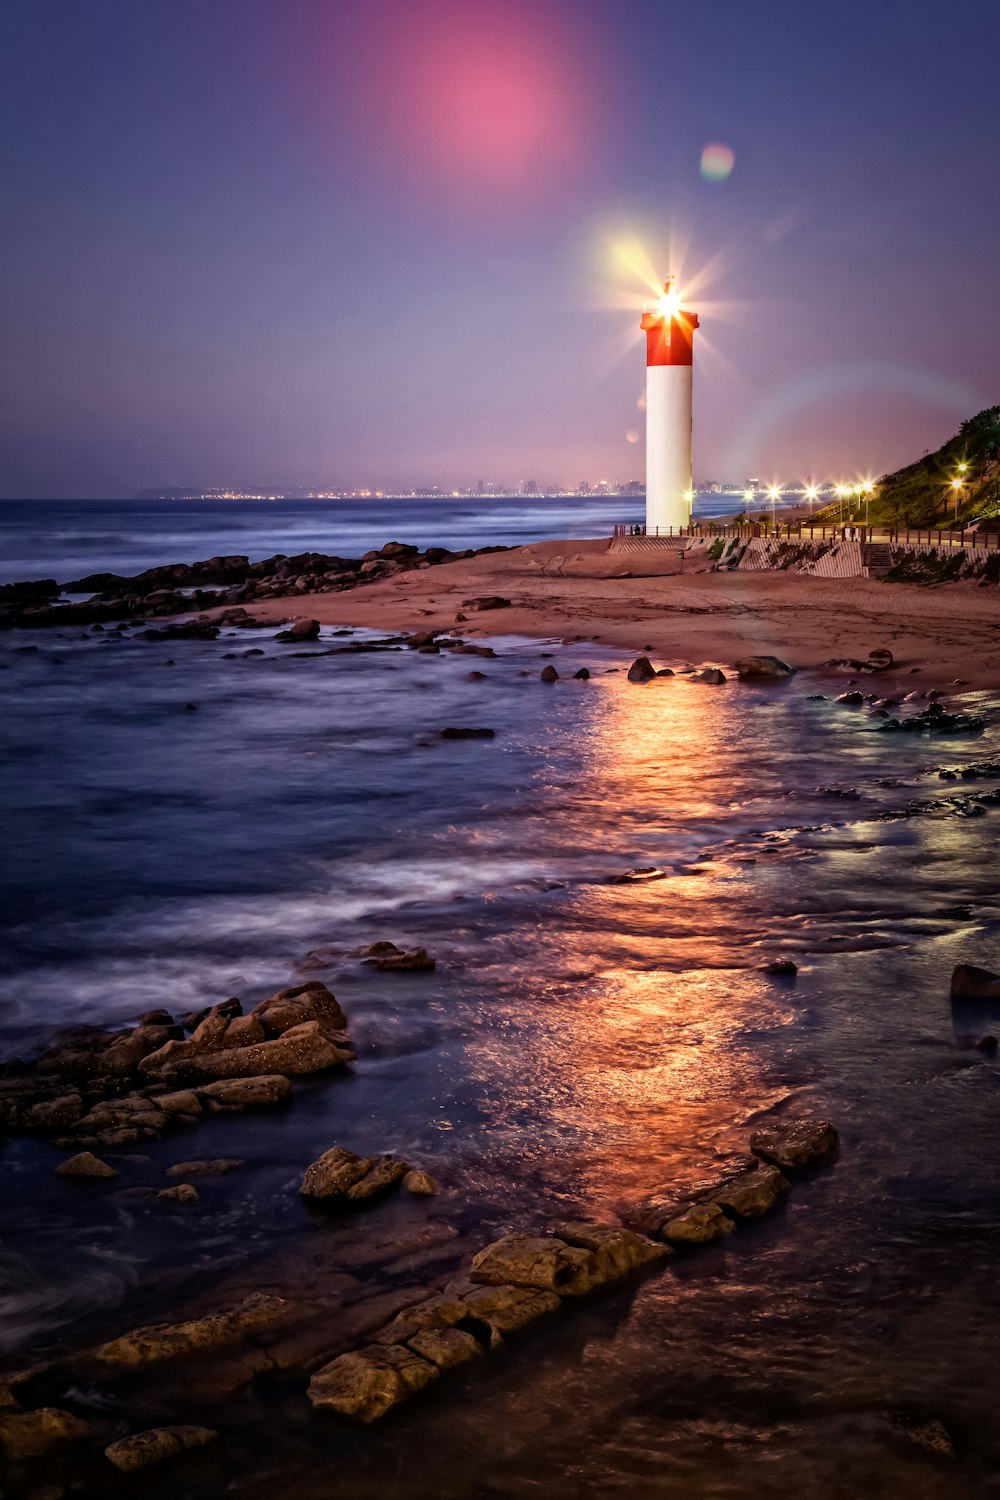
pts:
[382, 240]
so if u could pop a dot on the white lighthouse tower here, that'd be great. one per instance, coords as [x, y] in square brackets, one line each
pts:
[669, 331]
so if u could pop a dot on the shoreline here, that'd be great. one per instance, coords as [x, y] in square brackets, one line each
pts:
[577, 591]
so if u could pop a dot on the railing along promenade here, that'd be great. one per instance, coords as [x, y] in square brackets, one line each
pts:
[902, 536]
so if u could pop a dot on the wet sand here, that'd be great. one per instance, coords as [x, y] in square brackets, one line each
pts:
[579, 590]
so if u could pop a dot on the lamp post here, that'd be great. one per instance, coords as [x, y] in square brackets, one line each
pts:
[773, 492]
[956, 489]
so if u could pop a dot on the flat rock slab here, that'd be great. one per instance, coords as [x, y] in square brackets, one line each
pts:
[144, 1346]
[701, 1224]
[141, 1450]
[764, 666]
[750, 1195]
[798, 1143]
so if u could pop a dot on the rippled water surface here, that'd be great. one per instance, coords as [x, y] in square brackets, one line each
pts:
[581, 1041]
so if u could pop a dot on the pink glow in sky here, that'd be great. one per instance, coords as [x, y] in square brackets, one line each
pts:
[476, 100]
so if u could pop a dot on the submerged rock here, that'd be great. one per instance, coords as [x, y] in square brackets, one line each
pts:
[183, 1193]
[333, 1173]
[217, 1167]
[783, 967]
[300, 630]
[420, 1184]
[751, 1194]
[797, 1143]
[389, 959]
[709, 675]
[458, 732]
[141, 1450]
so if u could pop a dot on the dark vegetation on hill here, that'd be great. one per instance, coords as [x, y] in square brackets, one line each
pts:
[922, 494]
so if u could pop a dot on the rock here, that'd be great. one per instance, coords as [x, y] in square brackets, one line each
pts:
[476, 677]
[851, 699]
[28, 1434]
[763, 666]
[797, 1143]
[301, 630]
[986, 1043]
[880, 658]
[970, 983]
[641, 670]
[161, 1341]
[582, 675]
[51, 1114]
[780, 966]
[183, 1103]
[504, 1310]
[86, 1165]
[334, 1173]
[156, 1018]
[453, 732]
[218, 1167]
[385, 1172]
[414, 960]
[183, 1193]
[246, 1093]
[533, 1261]
[242, 1031]
[445, 1347]
[304, 1048]
[926, 1432]
[141, 1450]
[709, 675]
[549, 674]
[751, 1194]
[421, 1184]
[303, 1002]
[615, 1251]
[700, 1224]
[367, 1383]
[639, 874]
[488, 601]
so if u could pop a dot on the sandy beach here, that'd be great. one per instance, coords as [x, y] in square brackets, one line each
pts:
[681, 611]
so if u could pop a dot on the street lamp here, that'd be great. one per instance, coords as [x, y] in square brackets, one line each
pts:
[867, 487]
[956, 486]
[842, 491]
[773, 493]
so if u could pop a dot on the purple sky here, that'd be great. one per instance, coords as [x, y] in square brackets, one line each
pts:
[305, 242]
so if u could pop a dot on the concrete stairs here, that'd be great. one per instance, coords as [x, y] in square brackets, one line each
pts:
[877, 559]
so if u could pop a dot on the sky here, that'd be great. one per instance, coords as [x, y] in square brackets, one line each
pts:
[305, 243]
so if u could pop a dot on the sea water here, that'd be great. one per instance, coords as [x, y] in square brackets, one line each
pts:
[581, 1041]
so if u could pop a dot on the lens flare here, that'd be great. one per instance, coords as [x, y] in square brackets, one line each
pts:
[631, 436]
[717, 161]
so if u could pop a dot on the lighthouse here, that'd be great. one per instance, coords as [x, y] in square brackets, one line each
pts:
[669, 331]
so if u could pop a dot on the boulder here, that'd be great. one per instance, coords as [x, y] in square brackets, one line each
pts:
[880, 658]
[242, 1031]
[56, 1113]
[300, 630]
[29, 1434]
[970, 983]
[539, 1261]
[797, 1143]
[246, 1093]
[750, 1195]
[86, 1165]
[763, 666]
[641, 670]
[582, 675]
[333, 1173]
[367, 1383]
[421, 1184]
[141, 1450]
[162, 1341]
[850, 699]
[183, 1103]
[709, 675]
[302, 1002]
[549, 674]
[700, 1224]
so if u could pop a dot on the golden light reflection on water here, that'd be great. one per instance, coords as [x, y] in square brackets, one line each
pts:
[645, 1068]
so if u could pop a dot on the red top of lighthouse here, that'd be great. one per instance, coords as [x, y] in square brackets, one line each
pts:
[669, 330]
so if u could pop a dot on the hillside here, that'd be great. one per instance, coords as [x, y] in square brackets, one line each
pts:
[922, 494]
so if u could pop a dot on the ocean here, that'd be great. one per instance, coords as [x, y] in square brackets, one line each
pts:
[581, 1041]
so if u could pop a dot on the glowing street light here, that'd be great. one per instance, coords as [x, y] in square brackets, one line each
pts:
[957, 485]
[812, 492]
[773, 494]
